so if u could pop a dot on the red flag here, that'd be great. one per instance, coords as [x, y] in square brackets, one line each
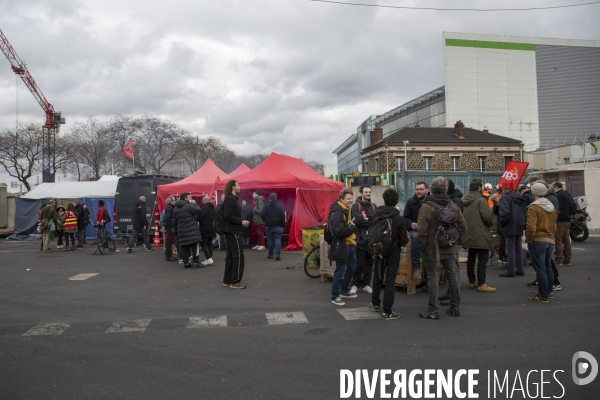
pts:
[212, 191]
[128, 149]
[513, 173]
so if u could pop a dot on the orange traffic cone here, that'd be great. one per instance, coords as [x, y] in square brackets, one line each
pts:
[156, 237]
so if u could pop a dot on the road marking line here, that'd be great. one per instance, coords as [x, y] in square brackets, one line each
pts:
[137, 325]
[205, 322]
[296, 317]
[353, 314]
[83, 277]
[47, 329]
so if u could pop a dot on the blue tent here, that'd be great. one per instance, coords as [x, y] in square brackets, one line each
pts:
[28, 205]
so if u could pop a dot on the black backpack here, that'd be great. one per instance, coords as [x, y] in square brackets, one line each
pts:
[447, 231]
[220, 220]
[573, 209]
[379, 238]
[328, 234]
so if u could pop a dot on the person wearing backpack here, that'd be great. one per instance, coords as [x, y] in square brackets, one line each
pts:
[166, 223]
[439, 226]
[363, 211]
[478, 240]
[387, 216]
[342, 248]
[563, 225]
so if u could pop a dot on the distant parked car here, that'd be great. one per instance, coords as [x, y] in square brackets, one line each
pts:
[595, 136]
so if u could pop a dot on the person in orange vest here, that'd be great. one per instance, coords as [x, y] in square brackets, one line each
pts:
[488, 190]
[70, 226]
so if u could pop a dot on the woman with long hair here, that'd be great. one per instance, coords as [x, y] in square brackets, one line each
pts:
[70, 227]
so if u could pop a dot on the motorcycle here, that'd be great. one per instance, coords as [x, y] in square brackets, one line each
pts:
[579, 231]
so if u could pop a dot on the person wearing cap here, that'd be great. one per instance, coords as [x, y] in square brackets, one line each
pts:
[274, 218]
[488, 191]
[140, 225]
[186, 228]
[539, 233]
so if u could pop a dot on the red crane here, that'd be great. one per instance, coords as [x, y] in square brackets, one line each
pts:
[53, 118]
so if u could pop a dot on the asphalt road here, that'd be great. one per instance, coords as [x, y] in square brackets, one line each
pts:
[144, 328]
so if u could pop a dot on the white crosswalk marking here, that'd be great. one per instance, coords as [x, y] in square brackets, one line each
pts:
[353, 314]
[296, 317]
[205, 322]
[137, 325]
[83, 277]
[47, 329]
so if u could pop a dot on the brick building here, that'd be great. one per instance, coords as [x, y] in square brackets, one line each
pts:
[439, 149]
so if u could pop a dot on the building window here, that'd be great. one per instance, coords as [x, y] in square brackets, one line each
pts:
[507, 159]
[482, 163]
[377, 165]
[399, 163]
[455, 163]
[427, 163]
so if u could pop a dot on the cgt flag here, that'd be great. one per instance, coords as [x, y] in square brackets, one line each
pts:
[128, 149]
[513, 173]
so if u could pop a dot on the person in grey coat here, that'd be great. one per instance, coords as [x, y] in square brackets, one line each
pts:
[186, 228]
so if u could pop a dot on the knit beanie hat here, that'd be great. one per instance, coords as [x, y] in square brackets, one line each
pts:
[539, 189]
[273, 197]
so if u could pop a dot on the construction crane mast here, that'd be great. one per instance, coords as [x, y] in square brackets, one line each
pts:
[53, 118]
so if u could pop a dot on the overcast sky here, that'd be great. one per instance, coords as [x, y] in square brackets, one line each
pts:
[291, 76]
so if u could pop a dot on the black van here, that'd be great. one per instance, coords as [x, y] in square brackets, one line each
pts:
[129, 190]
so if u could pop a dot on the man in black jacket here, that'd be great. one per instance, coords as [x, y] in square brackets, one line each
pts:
[80, 223]
[343, 246]
[389, 266]
[186, 227]
[274, 218]
[140, 225]
[511, 215]
[207, 229]
[234, 259]
[563, 225]
[169, 228]
[363, 211]
[411, 214]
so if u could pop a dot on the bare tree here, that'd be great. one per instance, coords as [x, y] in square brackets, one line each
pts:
[253, 160]
[92, 142]
[121, 129]
[316, 165]
[21, 152]
[158, 141]
[66, 156]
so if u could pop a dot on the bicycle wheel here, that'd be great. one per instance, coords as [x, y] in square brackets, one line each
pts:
[100, 242]
[312, 263]
[110, 244]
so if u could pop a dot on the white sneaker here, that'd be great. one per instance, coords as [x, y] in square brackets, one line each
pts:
[59, 246]
[204, 262]
[255, 247]
[260, 248]
[353, 290]
[367, 289]
[416, 274]
[338, 301]
[209, 261]
[181, 261]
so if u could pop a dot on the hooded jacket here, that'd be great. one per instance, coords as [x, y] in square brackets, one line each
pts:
[362, 219]
[186, 225]
[342, 229]
[564, 205]
[455, 195]
[80, 216]
[551, 196]
[399, 229]
[259, 203]
[513, 208]
[139, 216]
[207, 220]
[273, 215]
[427, 224]
[541, 222]
[479, 219]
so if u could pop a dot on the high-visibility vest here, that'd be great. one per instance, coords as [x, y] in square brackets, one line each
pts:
[71, 221]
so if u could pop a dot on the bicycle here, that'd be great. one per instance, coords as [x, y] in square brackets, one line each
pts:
[103, 240]
[312, 261]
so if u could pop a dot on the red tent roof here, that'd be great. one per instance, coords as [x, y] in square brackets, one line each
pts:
[279, 171]
[197, 183]
[242, 169]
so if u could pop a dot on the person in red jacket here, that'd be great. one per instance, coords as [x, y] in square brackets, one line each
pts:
[102, 214]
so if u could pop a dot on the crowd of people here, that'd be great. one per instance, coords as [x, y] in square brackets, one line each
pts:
[439, 221]
[67, 222]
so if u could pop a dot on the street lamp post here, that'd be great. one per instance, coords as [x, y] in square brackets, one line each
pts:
[405, 160]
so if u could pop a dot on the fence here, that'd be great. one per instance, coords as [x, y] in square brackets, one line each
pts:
[406, 180]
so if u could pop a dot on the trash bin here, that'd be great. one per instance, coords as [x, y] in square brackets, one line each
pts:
[311, 237]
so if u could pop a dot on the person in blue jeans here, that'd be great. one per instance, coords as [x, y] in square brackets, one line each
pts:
[539, 233]
[342, 249]
[274, 218]
[411, 214]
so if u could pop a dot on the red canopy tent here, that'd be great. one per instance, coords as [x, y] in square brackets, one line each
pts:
[242, 169]
[198, 184]
[305, 194]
